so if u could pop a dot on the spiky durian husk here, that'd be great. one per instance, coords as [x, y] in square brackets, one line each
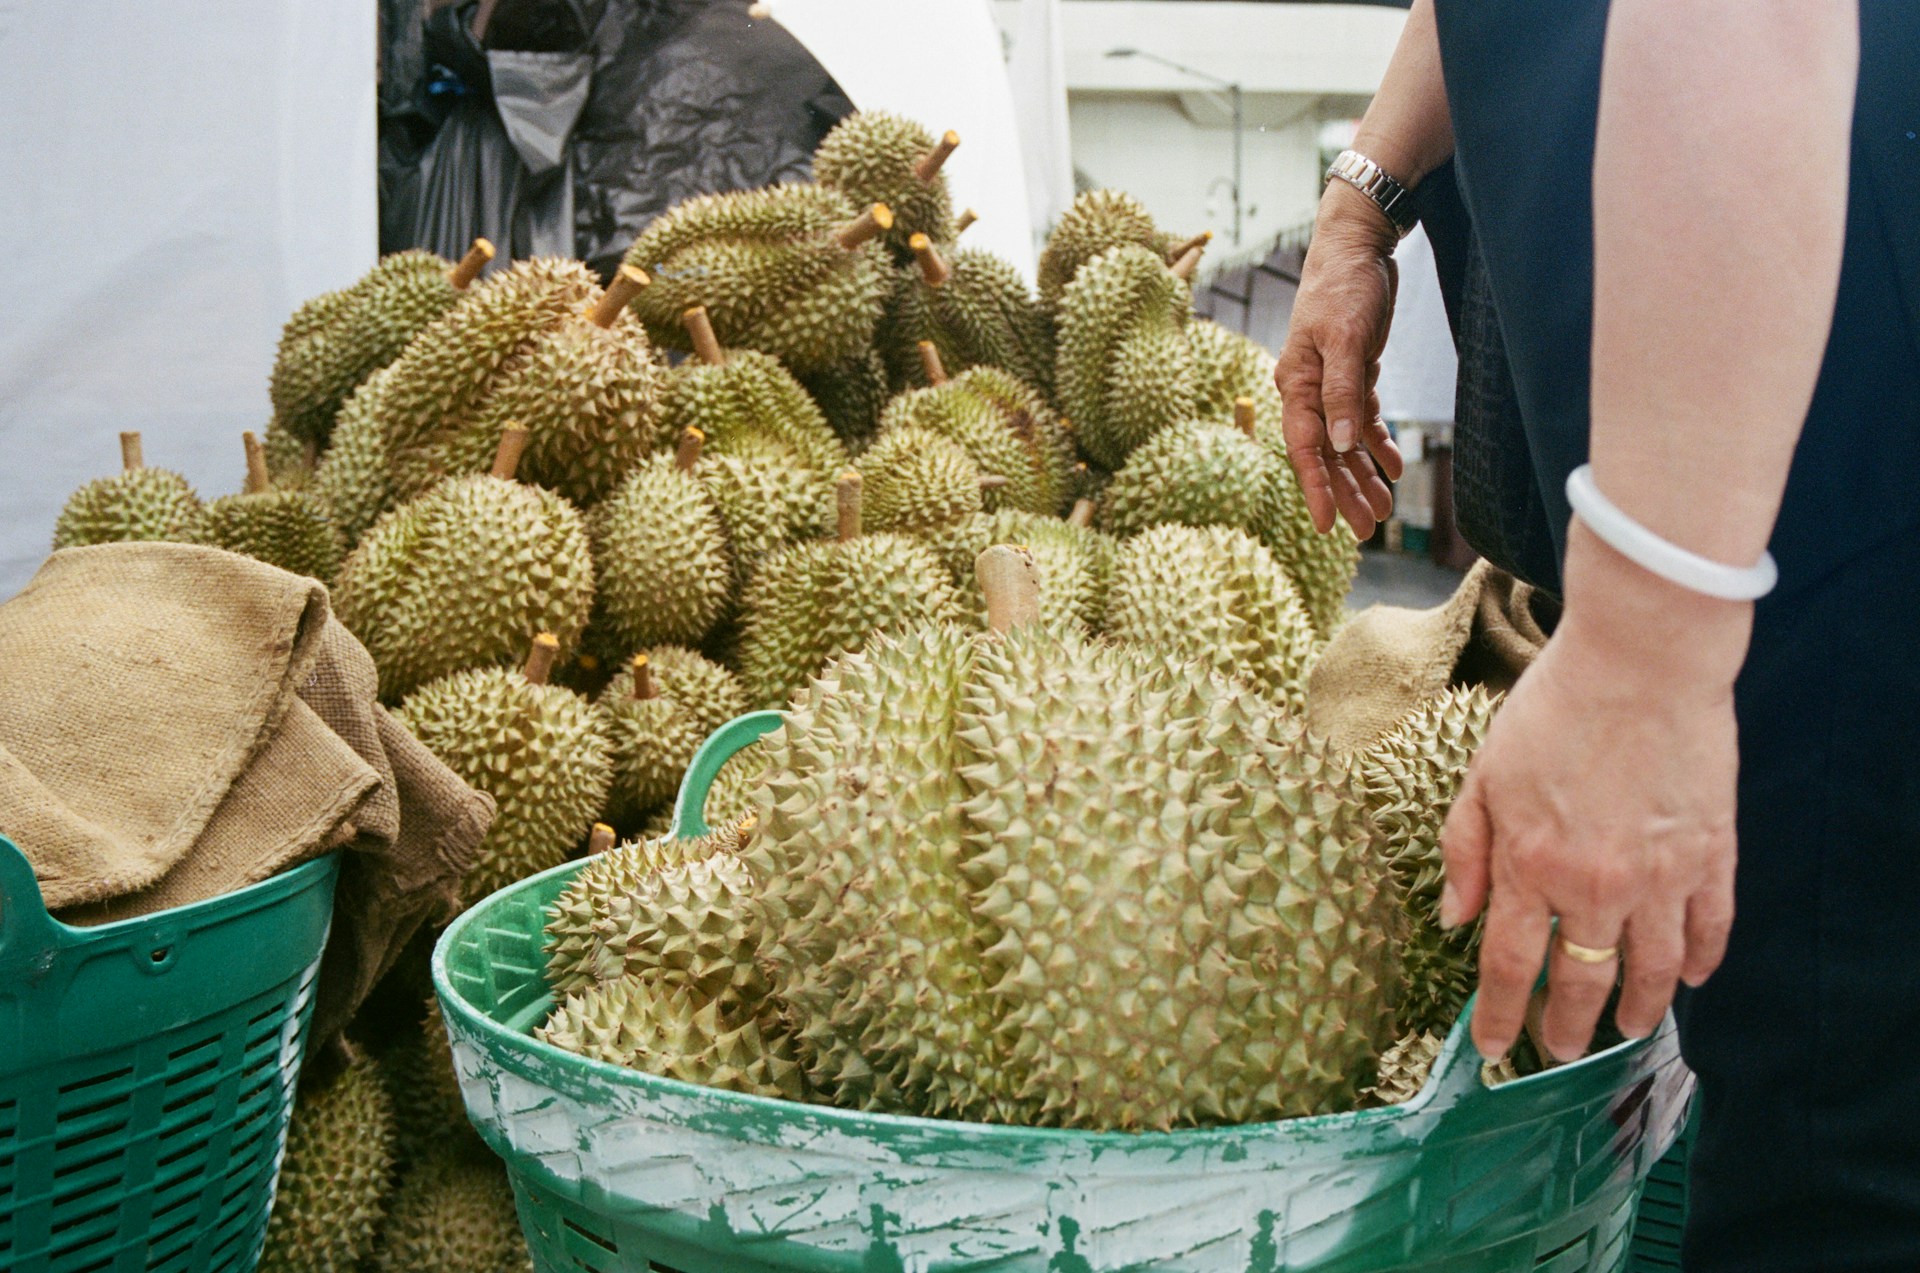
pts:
[289, 529]
[766, 499]
[1193, 474]
[917, 481]
[1411, 778]
[685, 926]
[665, 574]
[1213, 596]
[769, 271]
[1074, 565]
[465, 575]
[1097, 221]
[747, 405]
[654, 739]
[851, 396]
[869, 157]
[668, 1029]
[332, 1190]
[138, 504]
[814, 600]
[335, 341]
[353, 476]
[539, 750]
[428, 1110]
[1322, 566]
[290, 460]
[1124, 370]
[983, 315]
[453, 1213]
[1006, 428]
[1405, 1068]
[1226, 366]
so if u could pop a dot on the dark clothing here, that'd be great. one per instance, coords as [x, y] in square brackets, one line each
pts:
[1807, 1041]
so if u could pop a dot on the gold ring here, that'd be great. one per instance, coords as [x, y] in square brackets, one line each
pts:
[1589, 954]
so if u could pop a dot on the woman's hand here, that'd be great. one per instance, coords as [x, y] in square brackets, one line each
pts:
[1331, 361]
[1604, 795]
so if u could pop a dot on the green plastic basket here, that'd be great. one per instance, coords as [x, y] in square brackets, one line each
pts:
[1663, 1207]
[146, 1073]
[618, 1170]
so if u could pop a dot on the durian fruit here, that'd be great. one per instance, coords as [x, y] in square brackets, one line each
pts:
[976, 311]
[1004, 425]
[790, 270]
[353, 476]
[290, 529]
[1124, 370]
[453, 1213]
[1099, 220]
[916, 481]
[465, 575]
[982, 897]
[1411, 778]
[877, 157]
[428, 1110]
[1073, 562]
[1196, 474]
[1322, 566]
[851, 397]
[290, 461]
[659, 709]
[1228, 366]
[665, 571]
[1213, 596]
[1405, 1068]
[335, 341]
[539, 750]
[137, 503]
[814, 600]
[684, 926]
[746, 402]
[334, 1176]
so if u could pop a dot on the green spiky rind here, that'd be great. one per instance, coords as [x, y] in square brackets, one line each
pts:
[654, 739]
[453, 1211]
[464, 576]
[851, 396]
[290, 460]
[1008, 430]
[1405, 1068]
[1073, 564]
[665, 572]
[428, 1110]
[729, 799]
[1215, 597]
[983, 315]
[1194, 474]
[1124, 369]
[917, 481]
[138, 504]
[293, 530]
[869, 157]
[353, 476]
[335, 341]
[685, 926]
[766, 500]
[1099, 220]
[332, 1189]
[540, 751]
[1411, 779]
[769, 271]
[1228, 365]
[1322, 566]
[815, 600]
[748, 404]
[669, 1030]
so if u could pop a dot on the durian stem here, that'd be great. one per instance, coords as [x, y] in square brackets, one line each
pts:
[965, 219]
[257, 479]
[506, 457]
[1243, 415]
[626, 285]
[1082, 514]
[643, 686]
[870, 224]
[468, 268]
[1189, 262]
[992, 481]
[688, 454]
[930, 164]
[759, 12]
[539, 665]
[1199, 240]
[1012, 587]
[932, 268]
[931, 364]
[706, 345]
[601, 839]
[130, 454]
[847, 492]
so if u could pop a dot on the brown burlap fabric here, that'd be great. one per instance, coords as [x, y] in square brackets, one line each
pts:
[179, 722]
[1387, 659]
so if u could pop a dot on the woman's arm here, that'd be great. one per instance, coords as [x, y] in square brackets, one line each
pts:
[1605, 792]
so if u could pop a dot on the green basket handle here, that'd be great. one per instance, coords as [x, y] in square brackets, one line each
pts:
[28, 935]
[732, 738]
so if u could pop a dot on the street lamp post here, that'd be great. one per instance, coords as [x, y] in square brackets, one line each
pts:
[1235, 103]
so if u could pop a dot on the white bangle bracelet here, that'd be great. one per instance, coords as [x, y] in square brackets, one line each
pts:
[1668, 560]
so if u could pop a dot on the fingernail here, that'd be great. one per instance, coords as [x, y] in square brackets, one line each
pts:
[1493, 1056]
[1358, 537]
[1449, 906]
[1340, 433]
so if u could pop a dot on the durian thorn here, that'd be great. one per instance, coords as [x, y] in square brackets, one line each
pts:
[643, 686]
[699, 325]
[1189, 262]
[130, 453]
[1199, 240]
[601, 838]
[1082, 514]
[932, 268]
[930, 163]
[870, 224]
[965, 219]
[746, 828]
[1243, 414]
[588, 663]
[506, 457]
[626, 285]
[931, 364]
[992, 481]
[847, 493]
[1007, 576]
[539, 665]
[257, 479]
[468, 268]
[687, 456]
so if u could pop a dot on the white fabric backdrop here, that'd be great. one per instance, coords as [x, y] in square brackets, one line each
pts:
[179, 177]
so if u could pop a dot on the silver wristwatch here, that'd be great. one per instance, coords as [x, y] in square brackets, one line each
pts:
[1371, 180]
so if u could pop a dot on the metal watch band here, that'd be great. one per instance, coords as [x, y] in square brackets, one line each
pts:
[1373, 181]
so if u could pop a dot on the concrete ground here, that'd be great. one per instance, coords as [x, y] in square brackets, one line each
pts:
[1400, 579]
